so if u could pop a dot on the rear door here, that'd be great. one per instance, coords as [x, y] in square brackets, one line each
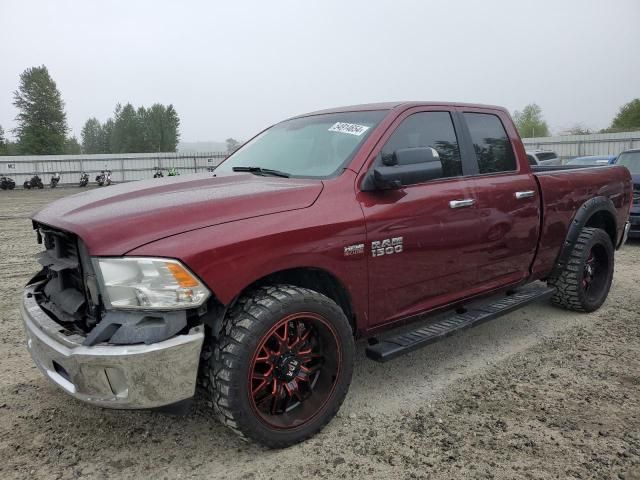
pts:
[421, 251]
[507, 200]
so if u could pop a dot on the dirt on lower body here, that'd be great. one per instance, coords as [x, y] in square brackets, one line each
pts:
[540, 393]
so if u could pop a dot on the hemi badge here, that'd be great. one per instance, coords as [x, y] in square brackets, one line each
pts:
[354, 249]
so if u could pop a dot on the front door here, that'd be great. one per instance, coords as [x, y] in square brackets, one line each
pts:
[421, 239]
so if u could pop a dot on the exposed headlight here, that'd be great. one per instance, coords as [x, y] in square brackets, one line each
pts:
[149, 284]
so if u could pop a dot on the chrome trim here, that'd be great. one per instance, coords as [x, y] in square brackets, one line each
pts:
[467, 202]
[525, 194]
[112, 376]
[625, 234]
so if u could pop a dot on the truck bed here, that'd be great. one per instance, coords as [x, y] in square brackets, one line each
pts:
[563, 190]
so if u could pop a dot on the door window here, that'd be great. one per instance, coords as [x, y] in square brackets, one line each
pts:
[429, 129]
[491, 143]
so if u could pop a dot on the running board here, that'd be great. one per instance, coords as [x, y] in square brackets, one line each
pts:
[408, 341]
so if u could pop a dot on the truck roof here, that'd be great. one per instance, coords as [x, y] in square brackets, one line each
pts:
[398, 105]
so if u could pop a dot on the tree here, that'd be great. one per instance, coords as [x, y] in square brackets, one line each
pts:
[127, 136]
[106, 137]
[4, 150]
[232, 145]
[628, 117]
[530, 122]
[161, 128]
[143, 142]
[42, 122]
[171, 129]
[71, 146]
[92, 137]
[154, 129]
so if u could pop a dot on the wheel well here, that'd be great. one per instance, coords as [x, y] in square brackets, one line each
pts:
[314, 279]
[605, 221]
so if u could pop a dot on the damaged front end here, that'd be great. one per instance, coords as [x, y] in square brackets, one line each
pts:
[113, 331]
[69, 291]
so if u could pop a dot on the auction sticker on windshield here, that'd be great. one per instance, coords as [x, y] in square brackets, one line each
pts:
[350, 128]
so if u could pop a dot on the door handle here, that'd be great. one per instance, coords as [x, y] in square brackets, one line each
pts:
[526, 194]
[467, 202]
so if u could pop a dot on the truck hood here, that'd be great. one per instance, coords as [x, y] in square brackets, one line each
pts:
[114, 220]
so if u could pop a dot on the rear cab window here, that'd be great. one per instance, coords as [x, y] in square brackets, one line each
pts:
[491, 143]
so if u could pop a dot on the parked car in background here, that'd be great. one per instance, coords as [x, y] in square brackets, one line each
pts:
[593, 160]
[631, 160]
[543, 157]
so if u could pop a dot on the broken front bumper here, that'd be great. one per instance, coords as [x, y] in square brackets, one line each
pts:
[127, 376]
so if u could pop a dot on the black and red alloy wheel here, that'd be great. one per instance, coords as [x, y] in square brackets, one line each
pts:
[294, 370]
[594, 273]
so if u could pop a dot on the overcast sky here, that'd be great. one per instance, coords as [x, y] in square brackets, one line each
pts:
[231, 68]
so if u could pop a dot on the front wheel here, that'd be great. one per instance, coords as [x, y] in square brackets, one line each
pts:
[282, 365]
[583, 281]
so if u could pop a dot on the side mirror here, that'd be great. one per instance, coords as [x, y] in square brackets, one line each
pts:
[407, 166]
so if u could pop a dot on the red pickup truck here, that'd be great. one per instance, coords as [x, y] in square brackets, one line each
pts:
[256, 279]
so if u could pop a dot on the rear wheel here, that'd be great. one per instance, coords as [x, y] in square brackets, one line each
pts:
[282, 365]
[583, 282]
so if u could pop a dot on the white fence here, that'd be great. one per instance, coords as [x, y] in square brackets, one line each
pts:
[125, 167]
[571, 146]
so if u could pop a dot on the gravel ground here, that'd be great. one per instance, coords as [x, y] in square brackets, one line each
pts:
[540, 393]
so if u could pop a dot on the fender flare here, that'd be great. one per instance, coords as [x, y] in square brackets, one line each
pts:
[587, 210]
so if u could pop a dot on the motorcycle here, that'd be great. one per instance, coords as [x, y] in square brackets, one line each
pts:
[35, 182]
[55, 180]
[84, 179]
[104, 178]
[173, 172]
[7, 184]
[158, 173]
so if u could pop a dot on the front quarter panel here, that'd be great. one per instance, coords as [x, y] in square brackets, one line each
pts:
[231, 256]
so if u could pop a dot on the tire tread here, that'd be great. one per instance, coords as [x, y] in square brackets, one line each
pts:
[568, 276]
[250, 315]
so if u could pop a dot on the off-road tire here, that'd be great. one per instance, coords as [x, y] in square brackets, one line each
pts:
[230, 359]
[568, 279]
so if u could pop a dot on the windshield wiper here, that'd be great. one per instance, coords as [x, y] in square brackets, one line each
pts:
[262, 171]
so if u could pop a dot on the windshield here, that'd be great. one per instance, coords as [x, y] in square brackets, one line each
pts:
[631, 160]
[318, 146]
